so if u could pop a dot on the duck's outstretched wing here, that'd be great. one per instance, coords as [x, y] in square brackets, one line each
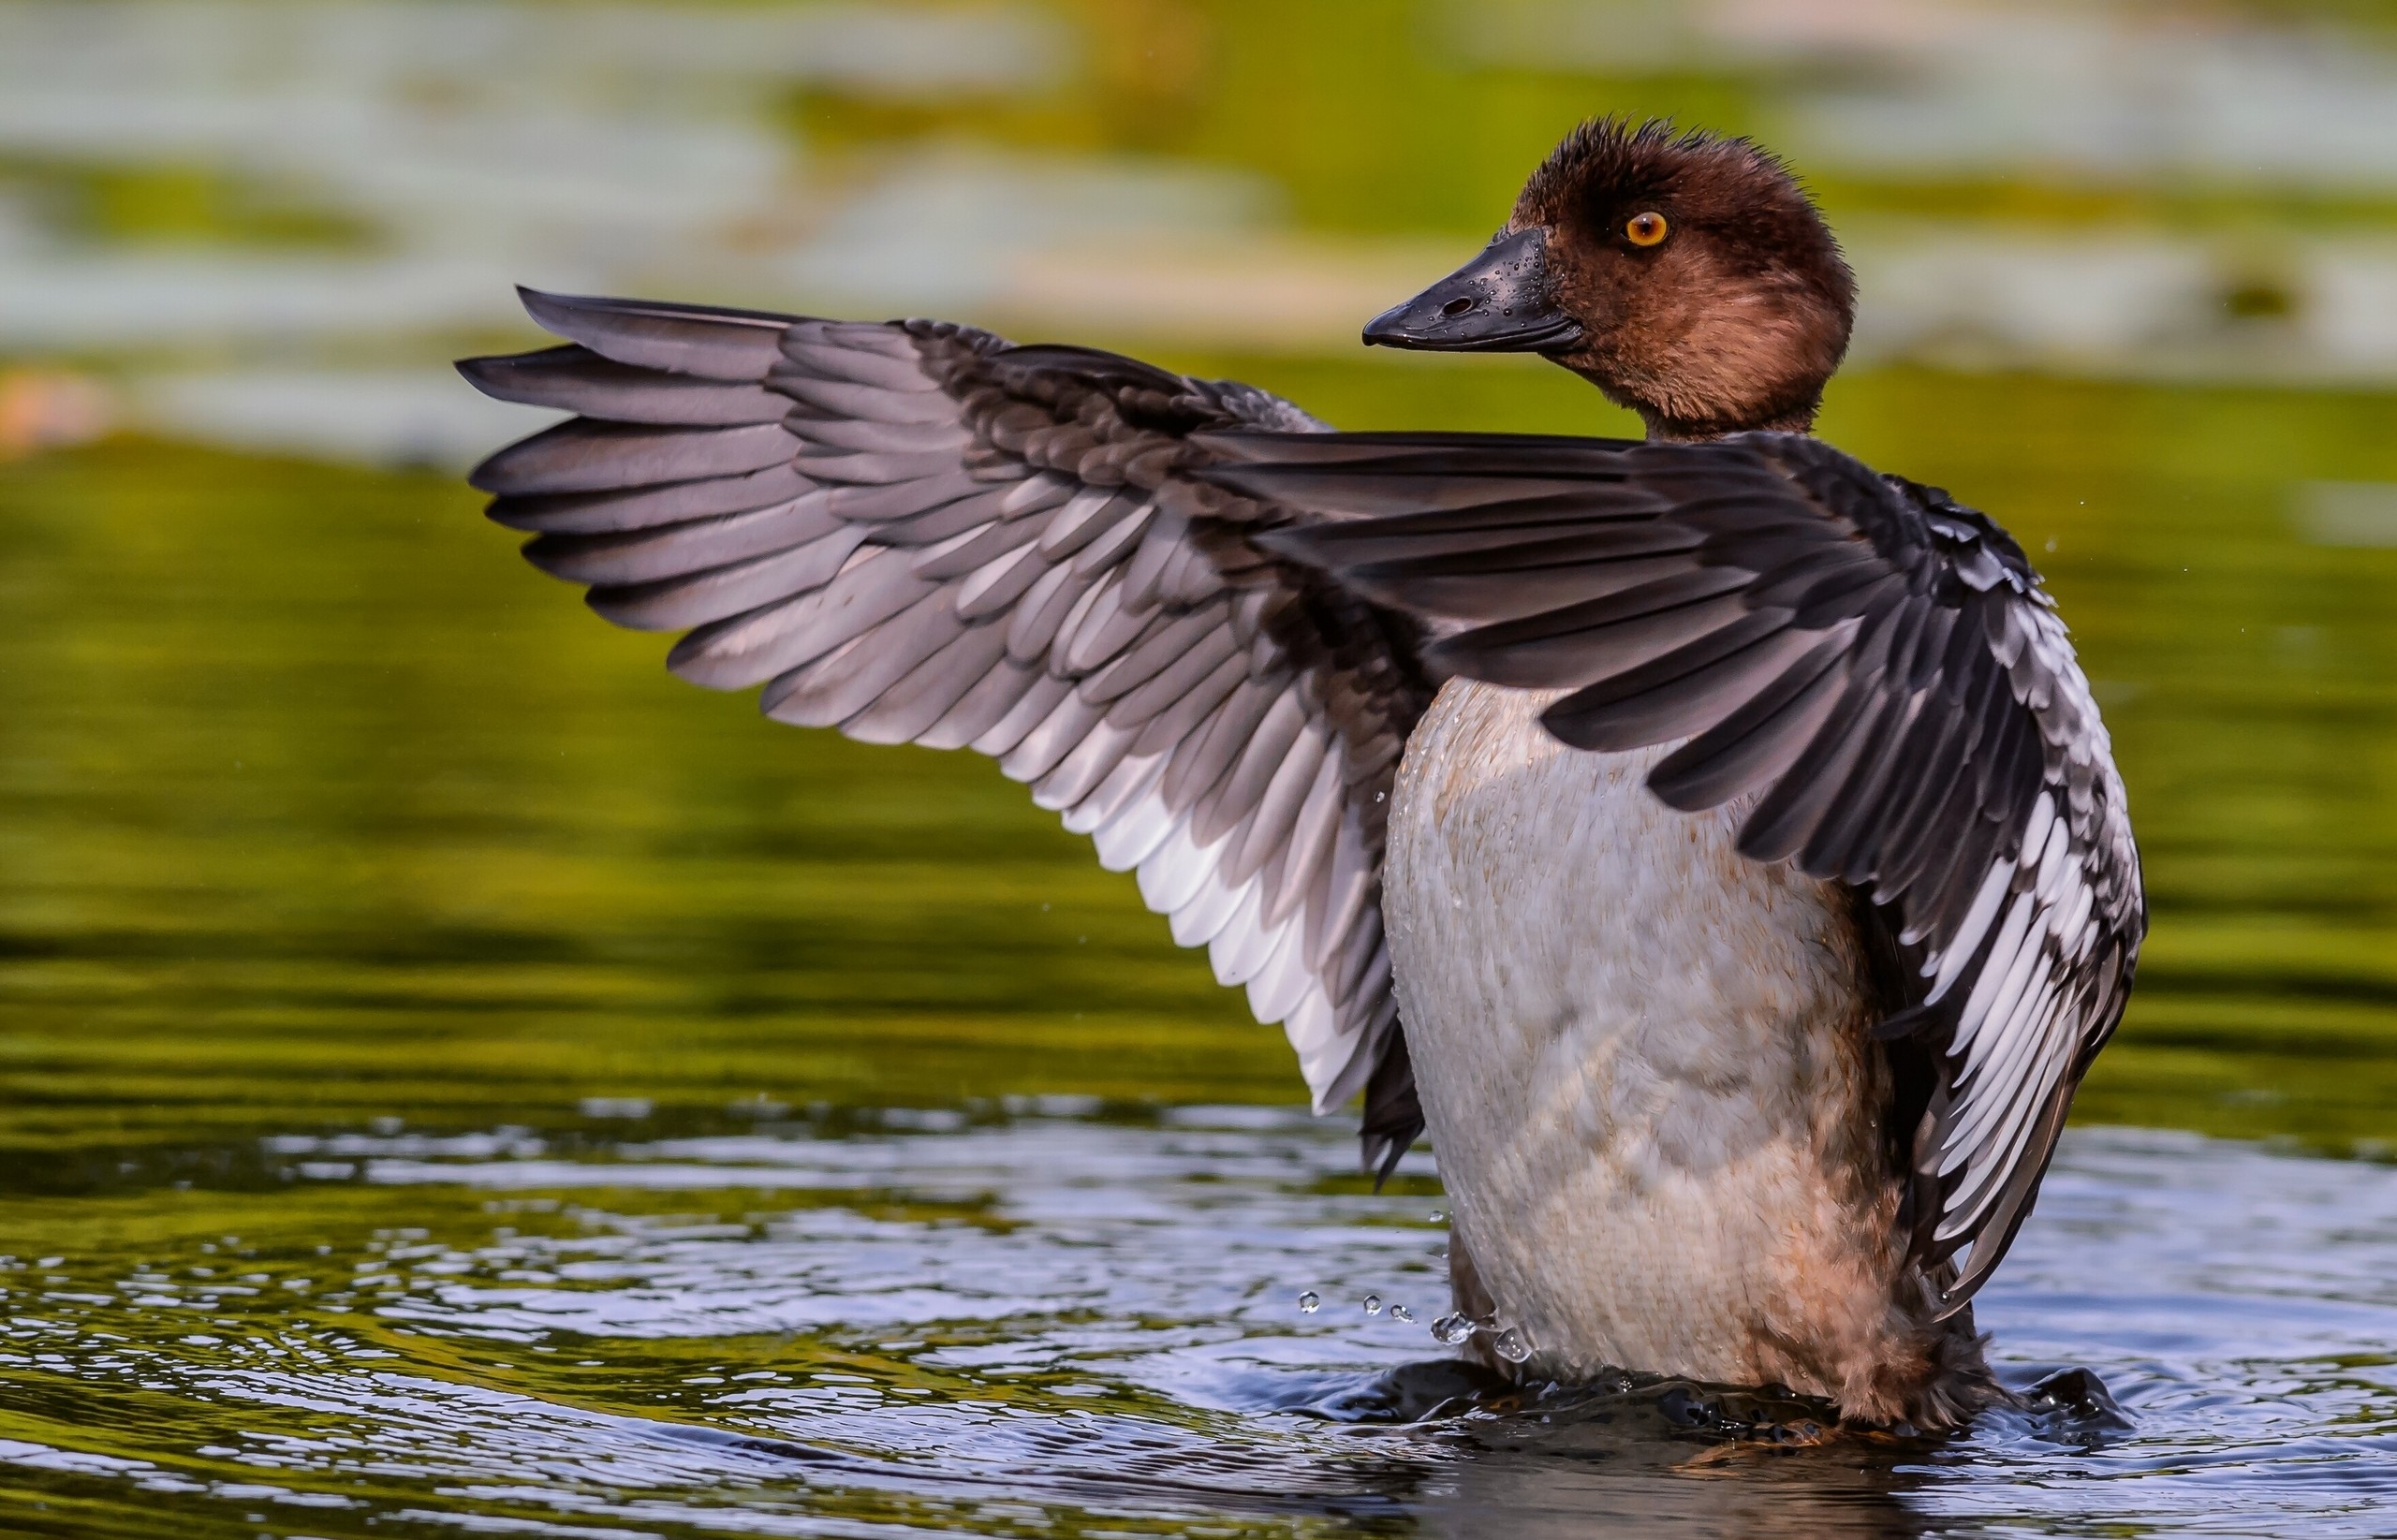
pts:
[916, 533]
[1875, 663]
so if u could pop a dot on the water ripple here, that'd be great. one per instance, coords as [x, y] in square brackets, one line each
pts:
[1052, 1325]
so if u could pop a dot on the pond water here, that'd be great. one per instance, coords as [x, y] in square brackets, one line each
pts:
[1057, 1322]
[460, 1080]
[455, 1079]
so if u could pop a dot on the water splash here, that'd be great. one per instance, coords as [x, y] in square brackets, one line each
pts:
[1372, 1304]
[1309, 1302]
[1453, 1328]
[1511, 1346]
[1400, 1313]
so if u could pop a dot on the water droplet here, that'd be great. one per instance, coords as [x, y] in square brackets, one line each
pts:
[1400, 1313]
[1452, 1330]
[1437, 1217]
[1372, 1304]
[1309, 1302]
[1511, 1346]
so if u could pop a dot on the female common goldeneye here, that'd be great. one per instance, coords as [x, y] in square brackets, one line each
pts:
[1712, 840]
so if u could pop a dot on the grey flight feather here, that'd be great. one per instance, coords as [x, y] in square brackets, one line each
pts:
[915, 532]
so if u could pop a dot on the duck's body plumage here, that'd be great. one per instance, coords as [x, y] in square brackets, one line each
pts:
[1714, 841]
[1646, 1063]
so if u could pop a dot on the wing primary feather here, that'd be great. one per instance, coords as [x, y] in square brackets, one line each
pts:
[1758, 739]
[864, 403]
[725, 596]
[1180, 696]
[1126, 782]
[1202, 761]
[584, 455]
[1846, 844]
[1174, 646]
[993, 590]
[2005, 1215]
[823, 432]
[908, 710]
[748, 649]
[703, 340]
[1230, 801]
[641, 507]
[824, 359]
[575, 379]
[1040, 697]
[647, 555]
[847, 680]
[1056, 737]
[1278, 805]
[987, 703]
[1309, 847]
[1793, 811]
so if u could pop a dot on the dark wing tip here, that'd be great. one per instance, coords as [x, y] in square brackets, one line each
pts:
[1379, 1156]
[573, 315]
[487, 374]
[545, 307]
[514, 377]
[555, 313]
[491, 472]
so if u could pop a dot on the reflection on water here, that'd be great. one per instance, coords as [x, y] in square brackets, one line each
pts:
[1028, 1324]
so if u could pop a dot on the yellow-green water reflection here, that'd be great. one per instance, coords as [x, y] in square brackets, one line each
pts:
[320, 806]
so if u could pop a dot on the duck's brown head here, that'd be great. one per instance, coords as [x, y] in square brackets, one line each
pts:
[1687, 276]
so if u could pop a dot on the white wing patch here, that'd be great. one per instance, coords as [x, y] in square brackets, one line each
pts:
[2039, 995]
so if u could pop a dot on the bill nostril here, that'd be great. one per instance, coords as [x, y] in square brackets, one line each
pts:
[1457, 306]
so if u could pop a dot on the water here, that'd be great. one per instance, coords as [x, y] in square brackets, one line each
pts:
[455, 1079]
[1028, 1324]
[597, 1111]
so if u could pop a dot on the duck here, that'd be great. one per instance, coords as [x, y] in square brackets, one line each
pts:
[1711, 841]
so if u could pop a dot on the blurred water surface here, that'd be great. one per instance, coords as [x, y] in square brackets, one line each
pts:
[455, 1079]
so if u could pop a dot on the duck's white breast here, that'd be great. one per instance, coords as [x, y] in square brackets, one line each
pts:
[1644, 1063]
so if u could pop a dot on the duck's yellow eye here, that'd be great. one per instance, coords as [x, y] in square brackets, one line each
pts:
[1644, 229]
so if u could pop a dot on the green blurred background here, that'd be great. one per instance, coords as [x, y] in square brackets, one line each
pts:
[317, 807]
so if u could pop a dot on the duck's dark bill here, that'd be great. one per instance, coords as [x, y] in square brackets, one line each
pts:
[1499, 303]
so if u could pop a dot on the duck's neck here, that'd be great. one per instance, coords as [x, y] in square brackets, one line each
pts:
[1665, 430]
